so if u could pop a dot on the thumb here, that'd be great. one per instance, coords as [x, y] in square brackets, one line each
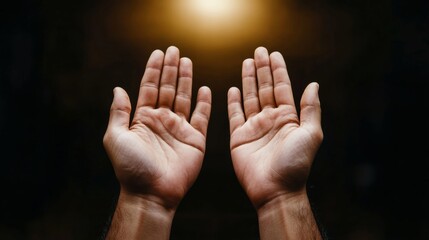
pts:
[120, 109]
[311, 112]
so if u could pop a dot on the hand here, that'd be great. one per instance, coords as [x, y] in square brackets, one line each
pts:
[272, 148]
[158, 157]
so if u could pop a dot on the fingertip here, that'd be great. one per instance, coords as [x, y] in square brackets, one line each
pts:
[233, 88]
[248, 68]
[311, 110]
[233, 91]
[120, 108]
[157, 52]
[276, 55]
[205, 89]
[261, 49]
[120, 98]
[205, 94]
[315, 86]
[119, 94]
[248, 63]
[172, 48]
[155, 59]
[117, 89]
[185, 61]
[234, 95]
[200, 117]
[235, 111]
[311, 95]
[317, 89]
[172, 57]
[262, 57]
[185, 67]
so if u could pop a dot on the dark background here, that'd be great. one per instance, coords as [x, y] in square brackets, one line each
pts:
[61, 59]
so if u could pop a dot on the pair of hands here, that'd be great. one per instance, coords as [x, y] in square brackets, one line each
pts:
[158, 156]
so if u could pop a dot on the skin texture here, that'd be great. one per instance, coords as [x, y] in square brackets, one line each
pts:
[158, 156]
[273, 148]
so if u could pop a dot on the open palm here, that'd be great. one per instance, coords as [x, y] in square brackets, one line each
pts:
[159, 155]
[272, 148]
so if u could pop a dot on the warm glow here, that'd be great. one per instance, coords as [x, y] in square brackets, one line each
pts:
[218, 22]
[213, 13]
[214, 8]
[208, 24]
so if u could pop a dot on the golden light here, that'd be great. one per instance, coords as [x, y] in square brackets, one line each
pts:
[218, 22]
[212, 9]
[207, 24]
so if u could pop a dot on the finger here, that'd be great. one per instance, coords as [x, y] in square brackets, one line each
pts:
[148, 94]
[120, 109]
[201, 115]
[167, 88]
[311, 112]
[250, 90]
[265, 79]
[235, 111]
[282, 86]
[182, 102]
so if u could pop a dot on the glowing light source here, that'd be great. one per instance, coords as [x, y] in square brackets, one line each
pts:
[205, 23]
[212, 13]
[218, 22]
[214, 8]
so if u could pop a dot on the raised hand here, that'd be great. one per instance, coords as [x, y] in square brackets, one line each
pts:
[272, 147]
[159, 155]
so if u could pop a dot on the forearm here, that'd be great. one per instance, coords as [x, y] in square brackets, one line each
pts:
[139, 218]
[288, 217]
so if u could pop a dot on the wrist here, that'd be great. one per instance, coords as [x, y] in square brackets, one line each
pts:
[138, 217]
[288, 216]
[283, 202]
[145, 204]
